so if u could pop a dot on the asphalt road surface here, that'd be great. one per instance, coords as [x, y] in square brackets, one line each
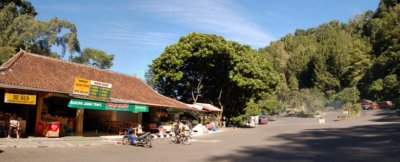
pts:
[374, 136]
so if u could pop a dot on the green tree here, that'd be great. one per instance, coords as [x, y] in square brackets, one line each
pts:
[386, 88]
[348, 95]
[271, 105]
[391, 88]
[95, 57]
[313, 99]
[382, 29]
[24, 7]
[252, 108]
[208, 68]
[148, 77]
[20, 30]
[328, 57]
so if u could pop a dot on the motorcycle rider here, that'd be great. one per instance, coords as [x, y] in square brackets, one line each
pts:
[177, 126]
[185, 132]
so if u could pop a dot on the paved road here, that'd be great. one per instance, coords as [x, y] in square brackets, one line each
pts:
[374, 136]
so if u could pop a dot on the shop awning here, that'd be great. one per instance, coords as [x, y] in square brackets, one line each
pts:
[100, 105]
[196, 107]
[204, 107]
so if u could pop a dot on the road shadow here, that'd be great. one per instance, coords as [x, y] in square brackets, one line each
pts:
[387, 116]
[358, 143]
[1, 151]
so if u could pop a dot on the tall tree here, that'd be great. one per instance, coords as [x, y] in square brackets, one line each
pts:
[328, 57]
[95, 57]
[24, 7]
[383, 31]
[20, 29]
[215, 70]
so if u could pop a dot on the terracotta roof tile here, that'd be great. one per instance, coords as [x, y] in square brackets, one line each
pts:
[35, 71]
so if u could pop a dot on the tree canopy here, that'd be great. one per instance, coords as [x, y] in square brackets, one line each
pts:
[95, 57]
[19, 29]
[208, 68]
[334, 61]
[335, 55]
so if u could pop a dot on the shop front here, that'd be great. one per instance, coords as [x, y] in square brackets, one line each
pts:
[160, 118]
[56, 118]
[55, 101]
[106, 117]
[20, 105]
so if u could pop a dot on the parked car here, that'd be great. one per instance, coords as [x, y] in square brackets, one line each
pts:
[385, 104]
[262, 119]
[373, 106]
[370, 106]
[367, 104]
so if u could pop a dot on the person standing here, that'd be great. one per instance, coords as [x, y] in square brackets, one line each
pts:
[14, 126]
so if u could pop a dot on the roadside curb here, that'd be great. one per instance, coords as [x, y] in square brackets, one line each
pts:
[54, 143]
[79, 141]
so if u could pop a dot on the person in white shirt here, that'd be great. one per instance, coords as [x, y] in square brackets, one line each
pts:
[14, 125]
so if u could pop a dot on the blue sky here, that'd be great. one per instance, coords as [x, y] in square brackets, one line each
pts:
[138, 31]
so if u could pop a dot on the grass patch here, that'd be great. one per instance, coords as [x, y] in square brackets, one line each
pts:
[349, 116]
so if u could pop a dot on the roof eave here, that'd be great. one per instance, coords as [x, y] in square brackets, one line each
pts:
[2, 85]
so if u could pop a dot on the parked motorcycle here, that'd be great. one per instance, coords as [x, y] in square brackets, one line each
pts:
[144, 140]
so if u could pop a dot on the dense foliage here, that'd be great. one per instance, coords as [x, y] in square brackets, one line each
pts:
[333, 63]
[20, 30]
[363, 53]
[208, 68]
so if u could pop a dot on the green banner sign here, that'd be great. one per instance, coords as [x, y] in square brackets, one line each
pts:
[99, 105]
[99, 92]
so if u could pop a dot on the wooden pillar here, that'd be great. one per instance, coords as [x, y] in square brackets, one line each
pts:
[79, 121]
[114, 116]
[39, 109]
[139, 118]
[204, 118]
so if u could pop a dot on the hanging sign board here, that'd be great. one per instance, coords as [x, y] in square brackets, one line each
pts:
[99, 90]
[92, 89]
[81, 86]
[141, 108]
[99, 105]
[20, 98]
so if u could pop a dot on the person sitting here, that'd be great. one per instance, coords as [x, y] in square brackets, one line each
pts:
[161, 129]
[209, 126]
[14, 126]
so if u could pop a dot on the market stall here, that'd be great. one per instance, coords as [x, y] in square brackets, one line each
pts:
[54, 126]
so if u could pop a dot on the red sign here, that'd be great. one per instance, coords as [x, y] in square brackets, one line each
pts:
[117, 105]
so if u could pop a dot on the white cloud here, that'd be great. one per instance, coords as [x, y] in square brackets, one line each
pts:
[123, 35]
[81, 7]
[214, 16]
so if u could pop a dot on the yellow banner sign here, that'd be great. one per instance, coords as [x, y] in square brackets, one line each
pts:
[81, 86]
[20, 98]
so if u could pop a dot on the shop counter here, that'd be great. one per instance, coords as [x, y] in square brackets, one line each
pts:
[48, 129]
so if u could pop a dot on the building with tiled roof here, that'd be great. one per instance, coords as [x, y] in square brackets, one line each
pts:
[36, 73]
